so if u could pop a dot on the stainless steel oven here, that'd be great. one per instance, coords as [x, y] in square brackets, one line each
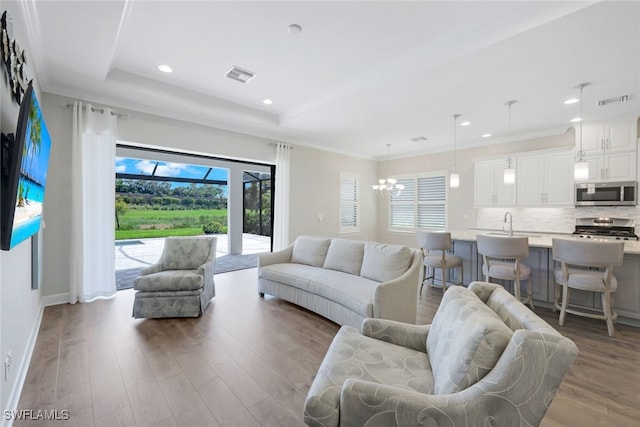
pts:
[606, 194]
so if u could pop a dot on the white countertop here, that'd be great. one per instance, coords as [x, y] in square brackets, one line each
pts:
[540, 240]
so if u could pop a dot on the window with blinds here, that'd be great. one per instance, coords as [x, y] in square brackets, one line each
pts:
[349, 203]
[421, 205]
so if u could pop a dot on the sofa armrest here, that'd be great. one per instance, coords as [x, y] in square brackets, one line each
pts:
[398, 333]
[155, 268]
[397, 299]
[277, 257]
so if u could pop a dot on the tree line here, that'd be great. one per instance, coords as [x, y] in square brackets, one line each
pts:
[139, 193]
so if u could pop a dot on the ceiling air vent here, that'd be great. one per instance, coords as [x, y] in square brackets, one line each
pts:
[240, 75]
[621, 99]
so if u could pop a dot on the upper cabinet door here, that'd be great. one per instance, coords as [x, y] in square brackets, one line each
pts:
[620, 137]
[484, 176]
[505, 193]
[592, 140]
[559, 183]
[530, 180]
[489, 186]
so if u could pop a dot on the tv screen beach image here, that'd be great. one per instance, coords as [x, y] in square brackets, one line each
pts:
[33, 176]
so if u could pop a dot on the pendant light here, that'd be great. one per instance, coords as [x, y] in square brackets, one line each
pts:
[510, 171]
[388, 185]
[454, 177]
[581, 168]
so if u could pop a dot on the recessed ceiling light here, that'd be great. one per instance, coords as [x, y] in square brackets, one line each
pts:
[571, 101]
[576, 120]
[267, 101]
[486, 135]
[294, 29]
[165, 68]
[465, 123]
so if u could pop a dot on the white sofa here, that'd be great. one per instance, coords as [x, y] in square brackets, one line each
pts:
[345, 281]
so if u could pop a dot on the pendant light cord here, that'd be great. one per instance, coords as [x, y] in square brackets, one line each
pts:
[455, 119]
[509, 103]
[581, 152]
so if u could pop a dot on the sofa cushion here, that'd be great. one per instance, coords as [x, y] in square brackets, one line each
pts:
[382, 262]
[465, 341]
[353, 292]
[310, 250]
[345, 255]
[169, 280]
[352, 355]
[184, 253]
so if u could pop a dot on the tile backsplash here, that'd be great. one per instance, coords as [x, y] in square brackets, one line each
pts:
[553, 220]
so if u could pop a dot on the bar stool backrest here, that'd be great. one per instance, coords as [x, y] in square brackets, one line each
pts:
[434, 240]
[588, 253]
[503, 247]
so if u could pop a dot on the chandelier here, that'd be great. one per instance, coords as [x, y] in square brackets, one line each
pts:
[388, 185]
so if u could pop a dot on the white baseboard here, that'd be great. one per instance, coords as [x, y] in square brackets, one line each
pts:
[14, 398]
[55, 299]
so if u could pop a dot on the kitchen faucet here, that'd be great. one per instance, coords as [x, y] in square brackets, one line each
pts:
[508, 214]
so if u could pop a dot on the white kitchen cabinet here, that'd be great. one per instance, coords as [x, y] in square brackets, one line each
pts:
[610, 150]
[545, 179]
[489, 186]
[607, 138]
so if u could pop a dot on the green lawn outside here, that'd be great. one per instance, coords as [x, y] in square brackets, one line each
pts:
[161, 223]
[145, 234]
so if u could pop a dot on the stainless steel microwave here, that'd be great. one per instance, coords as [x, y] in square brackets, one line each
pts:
[606, 194]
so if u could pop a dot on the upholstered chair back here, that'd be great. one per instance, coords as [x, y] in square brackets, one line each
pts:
[183, 253]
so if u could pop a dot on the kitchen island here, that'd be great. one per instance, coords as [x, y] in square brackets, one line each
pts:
[627, 296]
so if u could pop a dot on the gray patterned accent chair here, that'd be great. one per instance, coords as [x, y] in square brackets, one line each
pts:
[486, 359]
[181, 283]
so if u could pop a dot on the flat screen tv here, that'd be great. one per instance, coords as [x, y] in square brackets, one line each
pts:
[25, 158]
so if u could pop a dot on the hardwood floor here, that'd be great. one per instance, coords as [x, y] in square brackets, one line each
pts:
[250, 361]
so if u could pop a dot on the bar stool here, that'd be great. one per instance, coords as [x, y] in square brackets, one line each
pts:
[501, 259]
[603, 256]
[435, 246]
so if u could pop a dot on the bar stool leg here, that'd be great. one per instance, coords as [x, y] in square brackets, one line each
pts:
[516, 285]
[565, 299]
[529, 294]
[606, 307]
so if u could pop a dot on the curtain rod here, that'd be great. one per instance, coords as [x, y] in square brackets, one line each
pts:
[101, 111]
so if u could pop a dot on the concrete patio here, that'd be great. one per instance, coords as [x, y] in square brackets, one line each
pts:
[138, 253]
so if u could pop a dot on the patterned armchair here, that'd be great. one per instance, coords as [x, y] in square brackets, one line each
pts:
[181, 283]
[485, 360]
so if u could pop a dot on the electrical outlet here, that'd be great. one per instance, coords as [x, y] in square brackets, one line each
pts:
[7, 366]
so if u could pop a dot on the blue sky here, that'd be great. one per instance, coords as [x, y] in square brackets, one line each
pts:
[168, 169]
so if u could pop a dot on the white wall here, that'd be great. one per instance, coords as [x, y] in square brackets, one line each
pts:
[20, 307]
[315, 205]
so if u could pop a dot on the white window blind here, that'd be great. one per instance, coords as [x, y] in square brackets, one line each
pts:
[421, 205]
[349, 203]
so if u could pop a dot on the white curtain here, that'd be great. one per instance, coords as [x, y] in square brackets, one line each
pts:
[92, 257]
[281, 208]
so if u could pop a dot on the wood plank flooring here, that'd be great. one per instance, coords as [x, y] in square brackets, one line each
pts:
[250, 361]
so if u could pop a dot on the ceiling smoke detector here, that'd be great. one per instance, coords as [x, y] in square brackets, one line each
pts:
[240, 75]
[623, 98]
